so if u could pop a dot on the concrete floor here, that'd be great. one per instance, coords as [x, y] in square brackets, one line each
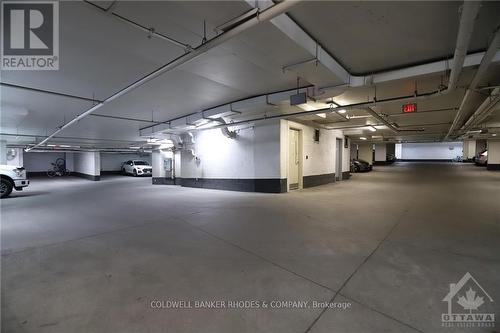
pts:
[81, 256]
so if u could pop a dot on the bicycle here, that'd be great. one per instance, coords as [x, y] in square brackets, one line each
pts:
[58, 169]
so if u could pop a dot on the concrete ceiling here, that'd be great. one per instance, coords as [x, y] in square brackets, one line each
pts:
[373, 36]
[100, 58]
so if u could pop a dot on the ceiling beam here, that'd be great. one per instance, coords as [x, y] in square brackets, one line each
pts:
[263, 16]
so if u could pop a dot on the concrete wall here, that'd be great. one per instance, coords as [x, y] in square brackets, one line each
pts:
[40, 162]
[469, 149]
[113, 161]
[380, 152]
[87, 164]
[493, 155]
[431, 151]
[365, 152]
[253, 154]
[318, 158]
[18, 159]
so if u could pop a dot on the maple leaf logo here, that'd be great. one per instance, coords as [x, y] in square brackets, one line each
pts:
[470, 301]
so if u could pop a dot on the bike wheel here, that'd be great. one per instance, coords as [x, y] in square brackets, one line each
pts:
[67, 172]
[60, 162]
[51, 173]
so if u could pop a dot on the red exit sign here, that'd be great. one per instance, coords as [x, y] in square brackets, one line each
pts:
[410, 107]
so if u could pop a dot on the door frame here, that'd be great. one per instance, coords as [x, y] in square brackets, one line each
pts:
[301, 158]
[339, 146]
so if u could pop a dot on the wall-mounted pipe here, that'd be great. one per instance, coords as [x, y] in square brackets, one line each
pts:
[264, 16]
[470, 10]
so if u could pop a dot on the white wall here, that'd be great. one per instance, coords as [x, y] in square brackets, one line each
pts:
[88, 163]
[254, 153]
[18, 160]
[380, 152]
[431, 151]
[365, 152]
[40, 162]
[113, 161]
[321, 155]
[469, 149]
[493, 152]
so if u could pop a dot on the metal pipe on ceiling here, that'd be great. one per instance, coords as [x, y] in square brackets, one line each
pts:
[264, 16]
[362, 105]
[484, 110]
[470, 10]
[150, 31]
[50, 92]
[481, 71]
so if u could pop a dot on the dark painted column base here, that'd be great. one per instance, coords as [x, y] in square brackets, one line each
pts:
[346, 175]
[84, 175]
[316, 180]
[273, 185]
[380, 163]
[163, 181]
[493, 167]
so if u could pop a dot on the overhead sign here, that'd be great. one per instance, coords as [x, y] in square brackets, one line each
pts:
[410, 107]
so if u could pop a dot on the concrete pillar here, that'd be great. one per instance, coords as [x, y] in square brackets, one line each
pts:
[3, 152]
[380, 153]
[469, 150]
[163, 164]
[365, 152]
[87, 165]
[493, 155]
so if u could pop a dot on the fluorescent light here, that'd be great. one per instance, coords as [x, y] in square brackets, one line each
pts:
[342, 111]
[135, 147]
[493, 134]
[152, 140]
[51, 145]
[362, 138]
[64, 146]
[322, 115]
[371, 128]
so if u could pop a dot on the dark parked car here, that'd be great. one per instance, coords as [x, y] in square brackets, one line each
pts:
[358, 165]
[390, 158]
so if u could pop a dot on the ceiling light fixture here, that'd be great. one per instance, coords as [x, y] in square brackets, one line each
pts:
[372, 128]
[342, 111]
[362, 138]
[322, 115]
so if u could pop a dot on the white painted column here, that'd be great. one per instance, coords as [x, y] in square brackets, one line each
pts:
[365, 152]
[3, 152]
[469, 150]
[87, 165]
[494, 155]
[380, 153]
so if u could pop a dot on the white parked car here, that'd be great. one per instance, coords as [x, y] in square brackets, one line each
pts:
[137, 168]
[12, 177]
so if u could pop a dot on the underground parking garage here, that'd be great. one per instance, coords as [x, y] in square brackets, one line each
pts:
[250, 166]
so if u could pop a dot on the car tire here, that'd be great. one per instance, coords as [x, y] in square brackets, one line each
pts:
[135, 173]
[5, 188]
[124, 172]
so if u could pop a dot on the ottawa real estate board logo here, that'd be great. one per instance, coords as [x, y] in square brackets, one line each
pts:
[30, 35]
[468, 305]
